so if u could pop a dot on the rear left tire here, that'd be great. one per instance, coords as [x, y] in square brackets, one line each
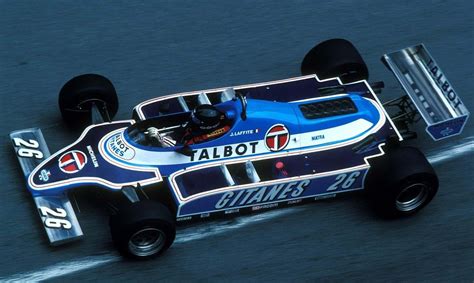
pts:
[401, 182]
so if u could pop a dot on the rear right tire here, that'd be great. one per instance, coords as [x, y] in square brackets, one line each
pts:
[335, 58]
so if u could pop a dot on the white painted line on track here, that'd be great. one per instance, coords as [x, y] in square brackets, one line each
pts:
[62, 268]
[184, 235]
[212, 229]
[466, 146]
[451, 152]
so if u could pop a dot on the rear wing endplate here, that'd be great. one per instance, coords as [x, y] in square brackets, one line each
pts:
[429, 90]
[56, 212]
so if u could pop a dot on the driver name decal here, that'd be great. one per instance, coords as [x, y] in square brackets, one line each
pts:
[119, 148]
[244, 132]
[223, 151]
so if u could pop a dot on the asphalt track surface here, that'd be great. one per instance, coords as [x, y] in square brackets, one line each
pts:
[162, 47]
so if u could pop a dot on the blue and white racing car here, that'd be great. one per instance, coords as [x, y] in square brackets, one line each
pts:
[200, 154]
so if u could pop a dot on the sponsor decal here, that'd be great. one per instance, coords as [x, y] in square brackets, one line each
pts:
[72, 161]
[92, 155]
[223, 151]
[44, 175]
[218, 132]
[244, 132]
[264, 206]
[443, 83]
[318, 137]
[324, 196]
[232, 211]
[117, 147]
[295, 201]
[212, 135]
[184, 218]
[446, 132]
[262, 194]
[277, 137]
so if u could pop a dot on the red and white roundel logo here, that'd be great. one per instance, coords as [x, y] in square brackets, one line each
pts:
[72, 161]
[277, 137]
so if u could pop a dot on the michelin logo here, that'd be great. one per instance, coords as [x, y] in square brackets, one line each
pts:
[93, 157]
[262, 194]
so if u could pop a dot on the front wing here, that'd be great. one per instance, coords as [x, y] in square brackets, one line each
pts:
[56, 212]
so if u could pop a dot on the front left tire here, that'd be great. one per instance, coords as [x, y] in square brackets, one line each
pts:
[143, 230]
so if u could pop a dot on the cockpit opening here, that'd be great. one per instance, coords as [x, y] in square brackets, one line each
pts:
[204, 123]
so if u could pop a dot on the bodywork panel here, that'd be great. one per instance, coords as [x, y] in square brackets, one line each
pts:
[316, 137]
[313, 162]
[84, 164]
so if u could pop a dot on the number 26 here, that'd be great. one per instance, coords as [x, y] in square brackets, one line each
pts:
[344, 180]
[58, 218]
[28, 148]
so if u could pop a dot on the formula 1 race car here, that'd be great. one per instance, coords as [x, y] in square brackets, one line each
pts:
[207, 153]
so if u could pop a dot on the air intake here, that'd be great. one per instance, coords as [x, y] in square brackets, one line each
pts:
[328, 108]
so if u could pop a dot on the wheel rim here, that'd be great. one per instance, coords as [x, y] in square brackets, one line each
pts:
[146, 242]
[412, 197]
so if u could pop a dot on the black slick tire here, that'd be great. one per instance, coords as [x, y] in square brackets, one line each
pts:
[401, 182]
[335, 58]
[78, 94]
[143, 230]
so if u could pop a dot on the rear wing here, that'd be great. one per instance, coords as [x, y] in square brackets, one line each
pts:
[56, 212]
[429, 90]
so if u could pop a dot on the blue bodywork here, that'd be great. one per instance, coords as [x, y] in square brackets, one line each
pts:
[320, 156]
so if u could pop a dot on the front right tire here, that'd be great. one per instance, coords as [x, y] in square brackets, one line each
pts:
[78, 95]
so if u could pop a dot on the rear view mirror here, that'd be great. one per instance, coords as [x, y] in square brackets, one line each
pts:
[185, 150]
